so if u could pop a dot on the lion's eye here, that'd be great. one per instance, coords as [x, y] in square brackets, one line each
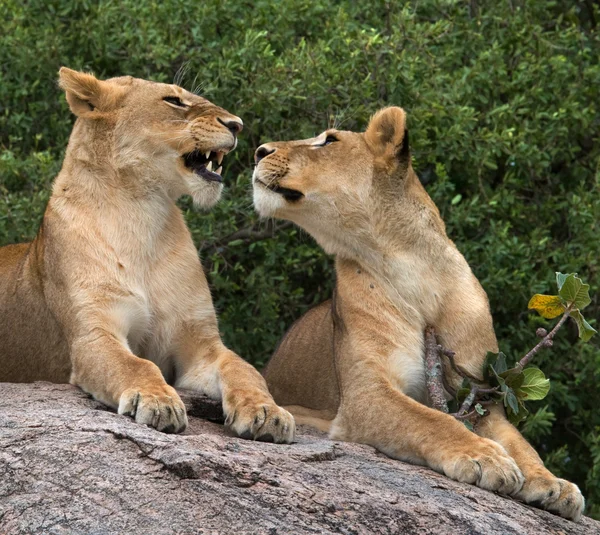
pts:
[176, 101]
[330, 139]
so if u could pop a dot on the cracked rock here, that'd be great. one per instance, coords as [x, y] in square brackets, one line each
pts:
[69, 466]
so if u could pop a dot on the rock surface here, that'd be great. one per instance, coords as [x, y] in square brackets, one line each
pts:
[69, 465]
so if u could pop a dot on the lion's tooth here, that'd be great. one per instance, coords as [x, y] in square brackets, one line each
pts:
[219, 169]
[207, 154]
[220, 157]
[209, 166]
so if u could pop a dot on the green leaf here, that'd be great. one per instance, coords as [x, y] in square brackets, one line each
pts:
[574, 292]
[468, 425]
[586, 331]
[490, 358]
[480, 410]
[535, 385]
[560, 279]
[500, 365]
[516, 417]
[456, 199]
[514, 378]
[510, 399]
[547, 306]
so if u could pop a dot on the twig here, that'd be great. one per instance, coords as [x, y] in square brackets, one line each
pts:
[460, 371]
[436, 382]
[459, 416]
[546, 341]
[468, 401]
[434, 371]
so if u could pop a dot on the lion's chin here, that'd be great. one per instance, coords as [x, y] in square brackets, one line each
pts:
[267, 203]
[204, 194]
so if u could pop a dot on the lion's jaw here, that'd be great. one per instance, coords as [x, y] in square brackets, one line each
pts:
[148, 138]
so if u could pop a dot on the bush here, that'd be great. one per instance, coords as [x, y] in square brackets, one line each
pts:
[503, 110]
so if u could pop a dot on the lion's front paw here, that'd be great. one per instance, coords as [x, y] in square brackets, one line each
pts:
[157, 406]
[556, 495]
[263, 421]
[488, 466]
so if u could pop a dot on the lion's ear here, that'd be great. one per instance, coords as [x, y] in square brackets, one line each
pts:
[387, 134]
[85, 94]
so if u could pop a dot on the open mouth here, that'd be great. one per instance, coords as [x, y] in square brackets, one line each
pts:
[288, 194]
[202, 164]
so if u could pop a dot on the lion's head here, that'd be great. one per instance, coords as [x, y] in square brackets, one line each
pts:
[346, 188]
[158, 135]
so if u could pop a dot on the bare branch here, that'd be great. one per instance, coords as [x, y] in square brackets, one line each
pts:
[434, 371]
[460, 371]
[546, 341]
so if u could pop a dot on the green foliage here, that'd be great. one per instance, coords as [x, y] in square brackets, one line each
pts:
[503, 113]
[518, 384]
[573, 296]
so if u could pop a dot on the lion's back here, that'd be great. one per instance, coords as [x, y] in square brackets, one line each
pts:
[31, 345]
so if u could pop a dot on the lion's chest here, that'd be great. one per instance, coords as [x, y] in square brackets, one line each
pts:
[163, 295]
[407, 371]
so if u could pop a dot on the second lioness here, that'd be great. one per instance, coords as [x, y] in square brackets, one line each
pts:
[110, 295]
[355, 365]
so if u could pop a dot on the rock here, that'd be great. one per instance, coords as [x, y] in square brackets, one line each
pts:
[69, 465]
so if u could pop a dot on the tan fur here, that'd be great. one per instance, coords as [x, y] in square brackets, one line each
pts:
[397, 272]
[111, 295]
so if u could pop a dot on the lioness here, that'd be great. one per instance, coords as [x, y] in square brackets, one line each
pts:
[110, 295]
[354, 365]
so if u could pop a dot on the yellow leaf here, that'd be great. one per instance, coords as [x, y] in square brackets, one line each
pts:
[547, 306]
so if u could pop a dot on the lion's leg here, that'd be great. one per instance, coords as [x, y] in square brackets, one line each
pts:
[375, 412]
[103, 366]
[205, 364]
[541, 487]
[471, 336]
[319, 419]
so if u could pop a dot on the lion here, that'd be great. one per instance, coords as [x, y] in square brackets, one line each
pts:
[354, 365]
[110, 295]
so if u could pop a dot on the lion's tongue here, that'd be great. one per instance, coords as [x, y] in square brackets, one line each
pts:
[211, 176]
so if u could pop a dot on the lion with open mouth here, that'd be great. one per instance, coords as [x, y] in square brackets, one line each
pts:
[354, 366]
[110, 295]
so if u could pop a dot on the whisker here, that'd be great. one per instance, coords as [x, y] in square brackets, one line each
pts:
[181, 73]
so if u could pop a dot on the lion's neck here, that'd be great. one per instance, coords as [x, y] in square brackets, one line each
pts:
[98, 166]
[408, 253]
[408, 226]
[129, 212]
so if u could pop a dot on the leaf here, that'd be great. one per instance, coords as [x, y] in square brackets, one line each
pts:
[468, 425]
[574, 292]
[456, 199]
[560, 279]
[514, 378]
[480, 410]
[547, 306]
[510, 400]
[500, 365]
[535, 385]
[490, 358]
[516, 417]
[586, 331]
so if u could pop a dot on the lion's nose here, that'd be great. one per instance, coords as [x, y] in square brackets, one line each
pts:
[262, 152]
[234, 125]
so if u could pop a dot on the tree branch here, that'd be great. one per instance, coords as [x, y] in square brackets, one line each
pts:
[434, 371]
[546, 341]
